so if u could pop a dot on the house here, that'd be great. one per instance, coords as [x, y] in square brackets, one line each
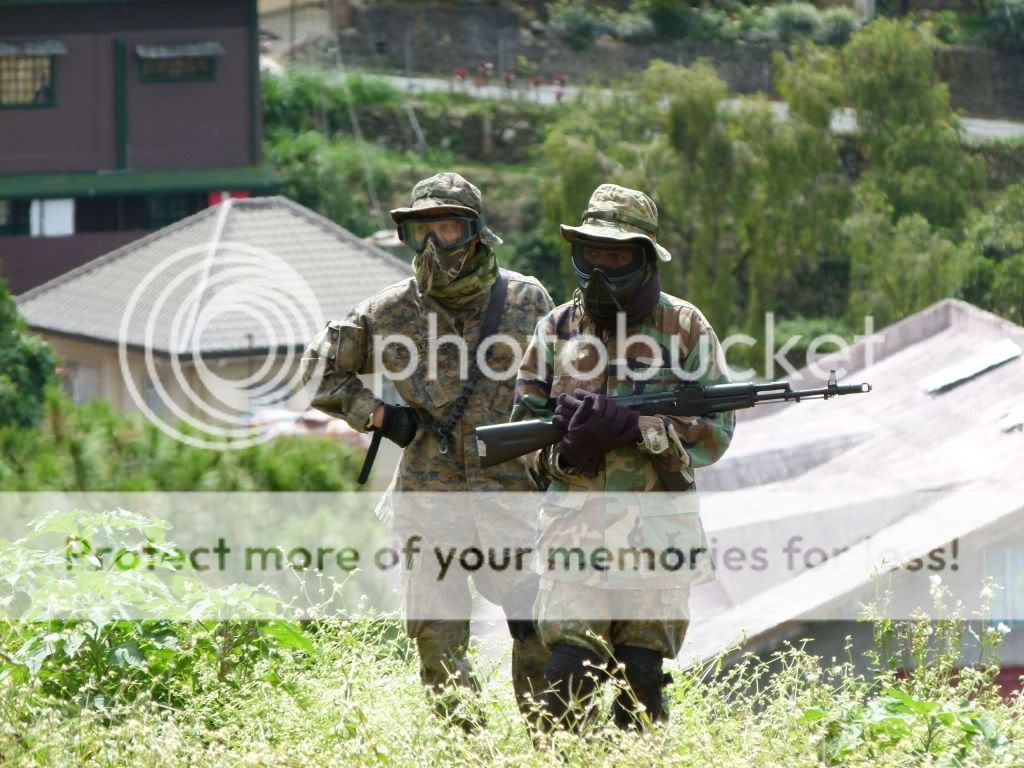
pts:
[922, 477]
[118, 118]
[176, 323]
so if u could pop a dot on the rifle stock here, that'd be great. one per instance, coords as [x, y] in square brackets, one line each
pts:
[501, 442]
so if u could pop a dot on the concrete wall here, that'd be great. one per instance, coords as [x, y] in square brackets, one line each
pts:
[438, 40]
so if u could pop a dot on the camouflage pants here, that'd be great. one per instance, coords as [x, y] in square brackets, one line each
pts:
[437, 617]
[658, 618]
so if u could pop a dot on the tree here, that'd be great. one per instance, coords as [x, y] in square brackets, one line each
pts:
[897, 268]
[910, 134]
[27, 366]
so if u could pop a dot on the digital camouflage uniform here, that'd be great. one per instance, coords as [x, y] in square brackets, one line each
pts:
[348, 347]
[583, 511]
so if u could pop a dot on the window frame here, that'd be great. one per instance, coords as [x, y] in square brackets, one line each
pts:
[144, 78]
[52, 101]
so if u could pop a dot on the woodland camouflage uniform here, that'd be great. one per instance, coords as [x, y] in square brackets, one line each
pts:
[583, 511]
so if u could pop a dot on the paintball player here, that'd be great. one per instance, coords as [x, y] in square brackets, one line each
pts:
[458, 282]
[608, 449]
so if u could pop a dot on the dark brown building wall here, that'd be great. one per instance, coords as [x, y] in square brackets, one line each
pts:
[29, 261]
[201, 124]
[190, 125]
[78, 133]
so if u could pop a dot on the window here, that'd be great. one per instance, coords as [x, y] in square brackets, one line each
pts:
[81, 382]
[162, 210]
[178, 63]
[110, 214]
[14, 217]
[52, 218]
[26, 81]
[113, 214]
[28, 73]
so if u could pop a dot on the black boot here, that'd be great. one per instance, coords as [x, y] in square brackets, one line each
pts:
[643, 684]
[572, 674]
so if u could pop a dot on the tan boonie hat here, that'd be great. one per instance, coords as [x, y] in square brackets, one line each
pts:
[618, 213]
[446, 193]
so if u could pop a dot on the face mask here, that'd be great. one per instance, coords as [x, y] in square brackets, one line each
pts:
[606, 291]
[437, 268]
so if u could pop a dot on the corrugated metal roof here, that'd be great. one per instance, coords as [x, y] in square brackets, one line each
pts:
[300, 258]
[210, 48]
[32, 48]
[871, 462]
[985, 359]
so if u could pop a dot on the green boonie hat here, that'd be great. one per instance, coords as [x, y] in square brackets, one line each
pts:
[446, 193]
[618, 213]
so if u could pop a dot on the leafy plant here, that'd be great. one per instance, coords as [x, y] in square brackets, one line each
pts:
[27, 367]
[792, 21]
[837, 26]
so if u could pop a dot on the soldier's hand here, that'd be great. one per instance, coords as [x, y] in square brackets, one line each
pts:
[565, 410]
[597, 427]
[399, 424]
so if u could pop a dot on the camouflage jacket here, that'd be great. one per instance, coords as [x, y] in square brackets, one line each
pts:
[359, 344]
[616, 508]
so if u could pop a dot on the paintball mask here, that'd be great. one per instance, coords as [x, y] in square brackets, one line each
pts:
[609, 274]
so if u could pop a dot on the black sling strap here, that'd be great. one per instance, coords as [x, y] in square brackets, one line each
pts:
[443, 432]
[495, 308]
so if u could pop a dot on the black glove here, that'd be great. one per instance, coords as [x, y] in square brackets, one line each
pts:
[399, 424]
[597, 427]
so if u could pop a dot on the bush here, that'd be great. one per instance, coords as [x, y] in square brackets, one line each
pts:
[574, 22]
[837, 26]
[792, 21]
[631, 26]
[1006, 24]
[27, 365]
[671, 18]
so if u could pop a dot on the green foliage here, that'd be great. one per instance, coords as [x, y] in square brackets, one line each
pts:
[306, 100]
[1006, 24]
[671, 18]
[574, 22]
[792, 21]
[837, 26]
[291, 696]
[996, 237]
[27, 367]
[897, 268]
[910, 135]
[94, 448]
[103, 663]
[331, 177]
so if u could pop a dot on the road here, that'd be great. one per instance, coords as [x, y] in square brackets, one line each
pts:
[843, 121]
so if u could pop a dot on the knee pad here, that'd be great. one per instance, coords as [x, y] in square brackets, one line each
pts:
[646, 681]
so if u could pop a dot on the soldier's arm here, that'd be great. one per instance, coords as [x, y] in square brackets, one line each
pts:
[679, 443]
[338, 354]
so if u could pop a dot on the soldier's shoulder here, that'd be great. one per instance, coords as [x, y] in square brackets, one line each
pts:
[400, 293]
[526, 286]
[680, 311]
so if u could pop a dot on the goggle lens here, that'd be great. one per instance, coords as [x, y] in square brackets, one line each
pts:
[448, 231]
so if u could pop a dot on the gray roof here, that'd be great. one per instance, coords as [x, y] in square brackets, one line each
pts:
[901, 465]
[208, 272]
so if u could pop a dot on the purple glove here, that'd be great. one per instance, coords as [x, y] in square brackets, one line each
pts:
[597, 427]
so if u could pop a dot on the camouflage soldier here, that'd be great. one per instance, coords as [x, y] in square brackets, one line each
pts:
[607, 450]
[455, 270]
